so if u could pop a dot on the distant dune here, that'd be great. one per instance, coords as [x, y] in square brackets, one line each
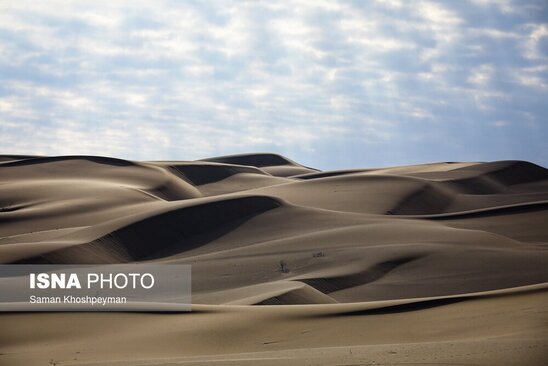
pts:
[442, 263]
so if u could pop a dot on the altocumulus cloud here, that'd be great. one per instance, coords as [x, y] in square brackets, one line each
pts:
[330, 84]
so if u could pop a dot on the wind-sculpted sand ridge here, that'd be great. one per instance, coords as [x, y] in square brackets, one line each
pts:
[353, 264]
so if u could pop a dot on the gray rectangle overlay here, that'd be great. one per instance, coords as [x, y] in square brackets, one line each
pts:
[110, 287]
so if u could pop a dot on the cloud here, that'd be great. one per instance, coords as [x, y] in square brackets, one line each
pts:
[538, 35]
[186, 80]
[481, 74]
[500, 123]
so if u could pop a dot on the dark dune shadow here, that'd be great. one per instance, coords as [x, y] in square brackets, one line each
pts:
[258, 160]
[203, 174]
[379, 270]
[394, 309]
[166, 234]
[95, 159]
[489, 212]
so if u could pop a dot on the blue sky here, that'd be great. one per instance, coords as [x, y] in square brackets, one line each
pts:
[329, 84]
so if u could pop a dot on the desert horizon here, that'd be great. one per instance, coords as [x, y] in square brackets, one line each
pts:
[298, 182]
[438, 263]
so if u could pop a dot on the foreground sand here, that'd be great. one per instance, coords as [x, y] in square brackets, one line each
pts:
[430, 264]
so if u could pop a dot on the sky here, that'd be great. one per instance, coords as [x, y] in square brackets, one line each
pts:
[332, 85]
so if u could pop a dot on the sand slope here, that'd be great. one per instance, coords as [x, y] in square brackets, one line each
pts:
[351, 238]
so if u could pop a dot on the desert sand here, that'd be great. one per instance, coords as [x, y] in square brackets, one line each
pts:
[442, 263]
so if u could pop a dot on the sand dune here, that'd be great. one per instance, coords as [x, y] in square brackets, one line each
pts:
[442, 263]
